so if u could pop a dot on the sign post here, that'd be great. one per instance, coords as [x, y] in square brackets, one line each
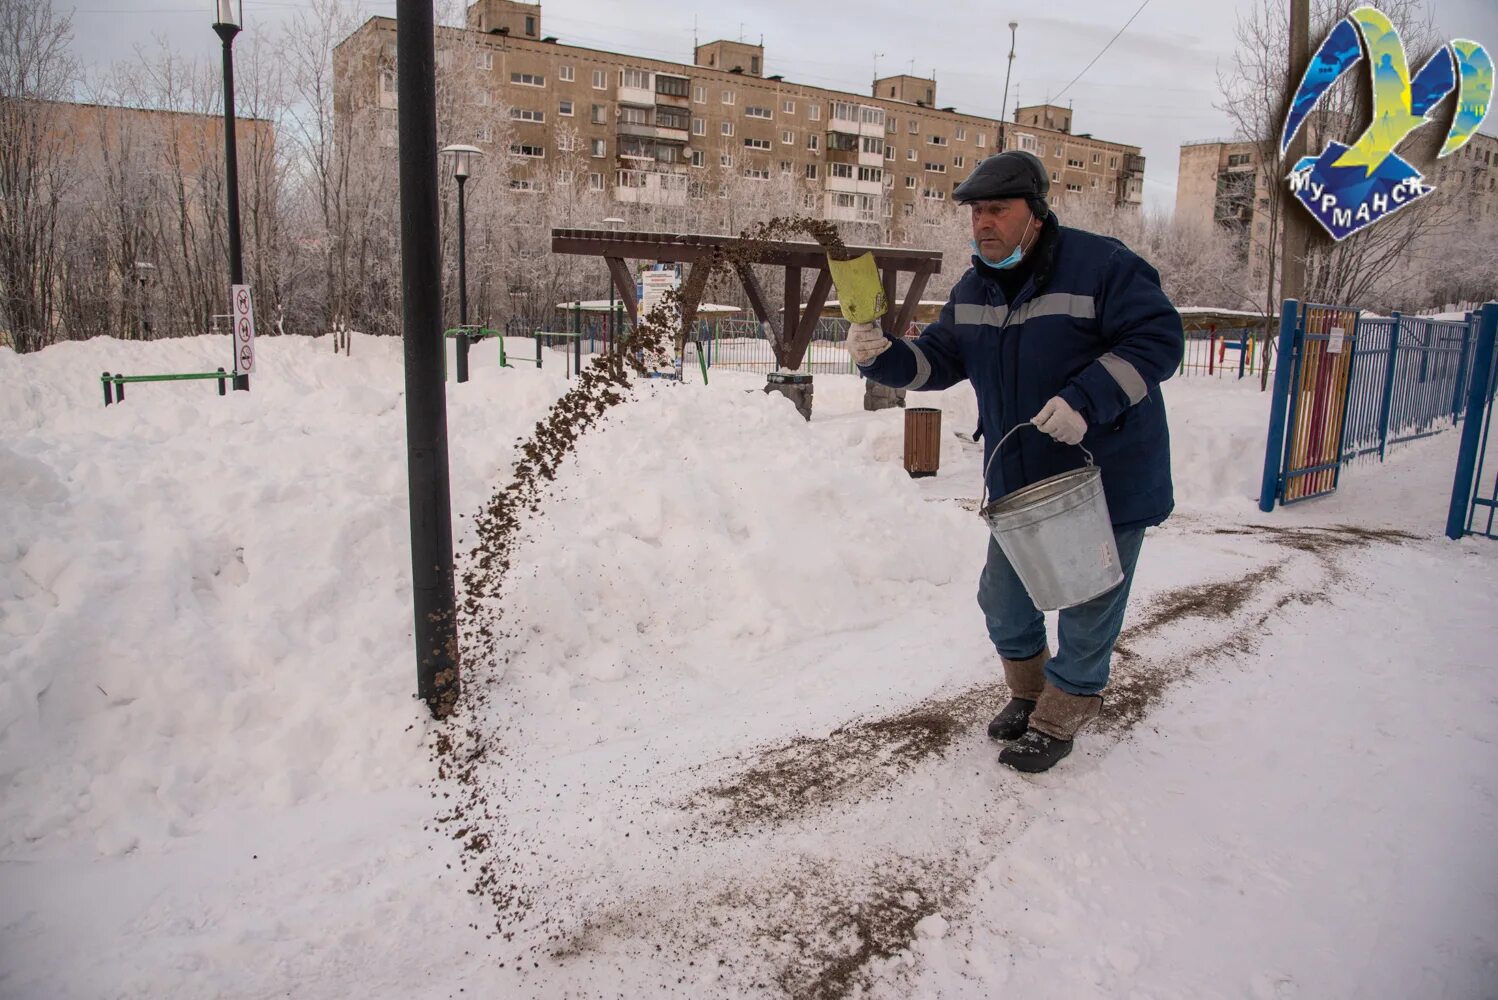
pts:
[242, 333]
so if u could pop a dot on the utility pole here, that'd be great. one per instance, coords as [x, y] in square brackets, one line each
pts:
[1294, 229]
[426, 393]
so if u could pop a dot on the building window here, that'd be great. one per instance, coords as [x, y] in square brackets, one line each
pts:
[1097, 159]
[842, 200]
[725, 128]
[1112, 163]
[785, 166]
[872, 116]
[757, 143]
[910, 183]
[525, 149]
[725, 159]
[842, 141]
[1075, 188]
[1238, 159]
[671, 118]
[484, 133]
[754, 65]
[527, 115]
[634, 116]
[873, 175]
[595, 182]
[789, 107]
[1039, 149]
[814, 112]
[483, 60]
[981, 139]
[910, 155]
[639, 79]
[526, 184]
[935, 168]
[914, 127]
[936, 140]
[565, 109]
[961, 135]
[1094, 182]
[891, 124]
[564, 73]
[599, 147]
[872, 145]
[696, 157]
[530, 25]
[699, 126]
[1073, 162]
[699, 95]
[889, 152]
[758, 112]
[843, 111]
[600, 114]
[566, 141]
[1026, 142]
[844, 170]
[598, 83]
[671, 86]
[728, 97]
[528, 79]
[787, 137]
[813, 141]
[811, 171]
[755, 173]
[934, 195]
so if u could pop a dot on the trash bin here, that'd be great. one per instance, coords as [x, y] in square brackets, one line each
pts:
[922, 441]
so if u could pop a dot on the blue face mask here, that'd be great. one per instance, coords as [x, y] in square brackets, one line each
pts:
[1015, 255]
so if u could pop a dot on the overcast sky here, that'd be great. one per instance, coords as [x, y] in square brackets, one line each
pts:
[1155, 87]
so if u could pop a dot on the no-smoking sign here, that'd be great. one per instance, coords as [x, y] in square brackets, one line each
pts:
[244, 328]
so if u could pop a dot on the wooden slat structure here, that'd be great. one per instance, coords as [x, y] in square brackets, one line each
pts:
[791, 326]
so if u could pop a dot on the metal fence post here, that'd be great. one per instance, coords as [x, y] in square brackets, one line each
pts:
[1386, 407]
[1469, 334]
[1274, 447]
[1477, 401]
[108, 393]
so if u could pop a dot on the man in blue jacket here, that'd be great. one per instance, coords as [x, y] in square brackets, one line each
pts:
[1069, 330]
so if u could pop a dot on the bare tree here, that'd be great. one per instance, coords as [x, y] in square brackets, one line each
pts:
[35, 72]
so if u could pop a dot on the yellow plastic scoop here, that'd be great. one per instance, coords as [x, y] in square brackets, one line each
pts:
[860, 294]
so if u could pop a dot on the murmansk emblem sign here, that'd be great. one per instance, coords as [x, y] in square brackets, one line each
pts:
[1348, 188]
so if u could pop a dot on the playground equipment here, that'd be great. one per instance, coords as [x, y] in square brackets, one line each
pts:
[114, 385]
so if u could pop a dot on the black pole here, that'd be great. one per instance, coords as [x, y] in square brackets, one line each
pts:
[462, 286]
[231, 178]
[426, 395]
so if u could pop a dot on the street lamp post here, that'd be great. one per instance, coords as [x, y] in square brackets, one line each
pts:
[611, 222]
[462, 160]
[1004, 108]
[230, 17]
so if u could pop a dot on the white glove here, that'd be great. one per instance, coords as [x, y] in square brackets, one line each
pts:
[866, 342]
[1060, 421]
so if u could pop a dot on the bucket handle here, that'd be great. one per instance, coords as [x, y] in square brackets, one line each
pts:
[989, 464]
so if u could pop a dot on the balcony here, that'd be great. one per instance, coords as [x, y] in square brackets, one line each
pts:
[650, 187]
[655, 132]
[643, 97]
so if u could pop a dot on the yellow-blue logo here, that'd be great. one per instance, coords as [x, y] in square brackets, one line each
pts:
[1348, 188]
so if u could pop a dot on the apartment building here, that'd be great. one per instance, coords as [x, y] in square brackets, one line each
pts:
[1081, 166]
[649, 131]
[1226, 183]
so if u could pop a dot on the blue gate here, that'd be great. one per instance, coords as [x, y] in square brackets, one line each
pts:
[1348, 386]
[1467, 494]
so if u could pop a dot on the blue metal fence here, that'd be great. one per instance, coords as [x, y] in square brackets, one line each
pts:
[1402, 379]
[1467, 494]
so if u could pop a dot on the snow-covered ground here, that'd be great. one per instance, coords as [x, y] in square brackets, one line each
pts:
[736, 740]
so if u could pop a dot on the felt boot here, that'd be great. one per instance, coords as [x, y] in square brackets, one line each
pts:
[1026, 679]
[1053, 725]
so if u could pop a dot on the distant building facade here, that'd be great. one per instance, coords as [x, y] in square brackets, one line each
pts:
[649, 131]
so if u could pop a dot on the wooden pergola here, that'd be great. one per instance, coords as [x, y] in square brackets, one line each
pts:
[792, 325]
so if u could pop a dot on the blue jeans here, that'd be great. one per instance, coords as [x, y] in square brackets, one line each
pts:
[1086, 633]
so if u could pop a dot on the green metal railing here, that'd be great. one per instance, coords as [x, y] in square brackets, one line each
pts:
[114, 385]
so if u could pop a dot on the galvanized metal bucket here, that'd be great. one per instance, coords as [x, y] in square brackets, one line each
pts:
[1057, 534]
